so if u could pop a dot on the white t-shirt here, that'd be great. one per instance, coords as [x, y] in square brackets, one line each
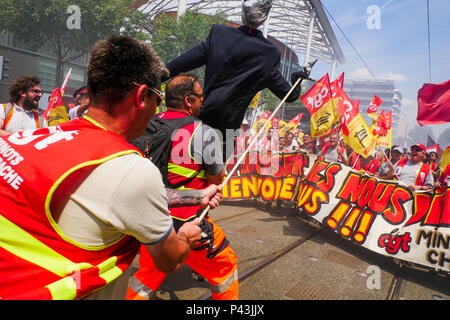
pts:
[123, 195]
[408, 174]
[21, 119]
[73, 112]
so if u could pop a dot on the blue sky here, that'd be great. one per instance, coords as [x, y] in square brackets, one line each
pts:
[398, 50]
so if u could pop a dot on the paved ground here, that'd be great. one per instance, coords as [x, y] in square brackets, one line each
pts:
[323, 267]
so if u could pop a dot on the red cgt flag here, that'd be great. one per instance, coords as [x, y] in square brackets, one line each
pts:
[388, 120]
[373, 107]
[433, 103]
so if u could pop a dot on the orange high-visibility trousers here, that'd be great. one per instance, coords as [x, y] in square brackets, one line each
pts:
[220, 271]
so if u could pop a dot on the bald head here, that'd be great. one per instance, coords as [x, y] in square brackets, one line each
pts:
[178, 88]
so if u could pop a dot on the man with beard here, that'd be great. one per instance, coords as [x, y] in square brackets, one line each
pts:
[21, 113]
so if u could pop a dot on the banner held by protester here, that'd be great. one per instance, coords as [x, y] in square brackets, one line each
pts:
[380, 215]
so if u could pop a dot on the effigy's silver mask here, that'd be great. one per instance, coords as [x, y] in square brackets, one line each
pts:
[255, 12]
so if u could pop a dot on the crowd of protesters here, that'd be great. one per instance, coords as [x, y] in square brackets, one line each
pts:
[417, 166]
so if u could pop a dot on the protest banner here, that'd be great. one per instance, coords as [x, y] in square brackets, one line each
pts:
[381, 215]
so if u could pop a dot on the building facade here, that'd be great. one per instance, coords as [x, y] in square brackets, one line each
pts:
[24, 59]
[364, 90]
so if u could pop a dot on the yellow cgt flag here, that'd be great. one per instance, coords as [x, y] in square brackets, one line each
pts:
[354, 129]
[318, 100]
[56, 112]
[385, 141]
[445, 159]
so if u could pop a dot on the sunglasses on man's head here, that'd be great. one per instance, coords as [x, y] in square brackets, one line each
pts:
[159, 94]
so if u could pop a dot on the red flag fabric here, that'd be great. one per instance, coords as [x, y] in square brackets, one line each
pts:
[318, 100]
[54, 101]
[388, 120]
[264, 116]
[296, 119]
[337, 84]
[433, 103]
[340, 81]
[374, 104]
[380, 125]
[346, 109]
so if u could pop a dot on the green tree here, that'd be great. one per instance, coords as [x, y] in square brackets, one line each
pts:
[68, 28]
[189, 30]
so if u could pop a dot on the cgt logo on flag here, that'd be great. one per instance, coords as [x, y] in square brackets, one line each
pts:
[56, 112]
[373, 107]
[319, 102]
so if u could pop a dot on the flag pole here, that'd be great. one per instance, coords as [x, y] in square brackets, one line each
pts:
[63, 87]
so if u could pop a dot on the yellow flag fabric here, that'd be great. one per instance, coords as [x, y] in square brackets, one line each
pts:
[360, 138]
[445, 159]
[385, 141]
[56, 111]
[355, 131]
[254, 102]
[261, 121]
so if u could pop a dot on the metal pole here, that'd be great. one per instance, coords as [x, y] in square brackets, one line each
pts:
[312, 14]
[333, 68]
[266, 26]
[181, 8]
[288, 72]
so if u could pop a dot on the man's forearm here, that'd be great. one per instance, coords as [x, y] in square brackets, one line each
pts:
[183, 198]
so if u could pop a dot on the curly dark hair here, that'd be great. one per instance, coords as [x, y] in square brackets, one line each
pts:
[22, 84]
[117, 64]
[178, 88]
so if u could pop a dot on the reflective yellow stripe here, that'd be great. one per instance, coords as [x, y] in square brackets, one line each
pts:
[190, 140]
[48, 200]
[24, 245]
[108, 270]
[63, 289]
[185, 172]
[94, 122]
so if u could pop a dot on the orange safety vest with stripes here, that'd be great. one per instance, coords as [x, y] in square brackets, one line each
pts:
[421, 176]
[9, 113]
[182, 166]
[39, 168]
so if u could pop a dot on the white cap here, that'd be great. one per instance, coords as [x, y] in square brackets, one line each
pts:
[399, 149]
